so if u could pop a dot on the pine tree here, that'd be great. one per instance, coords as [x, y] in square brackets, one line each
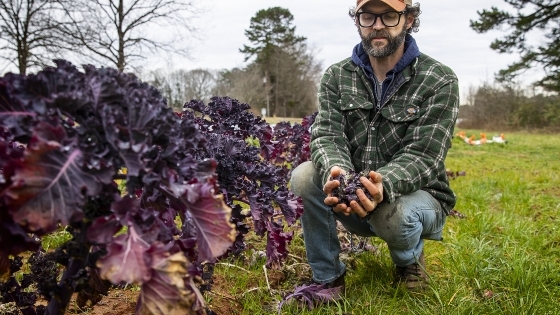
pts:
[530, 15]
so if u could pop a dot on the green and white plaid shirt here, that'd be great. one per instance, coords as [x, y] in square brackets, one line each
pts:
[406, 141]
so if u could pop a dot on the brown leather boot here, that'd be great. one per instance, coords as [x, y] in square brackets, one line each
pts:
[413, 276]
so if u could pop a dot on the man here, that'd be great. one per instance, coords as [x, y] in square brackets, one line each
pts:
[388, 111]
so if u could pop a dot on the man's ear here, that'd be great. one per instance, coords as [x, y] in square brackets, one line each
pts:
[409, 21]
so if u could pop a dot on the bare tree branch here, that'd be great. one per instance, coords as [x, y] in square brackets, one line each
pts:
[122, 31]
[28, 31]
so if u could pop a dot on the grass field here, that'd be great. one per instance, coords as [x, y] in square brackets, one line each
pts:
[503, 257]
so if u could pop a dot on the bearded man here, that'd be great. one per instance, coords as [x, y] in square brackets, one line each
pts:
[387, 112]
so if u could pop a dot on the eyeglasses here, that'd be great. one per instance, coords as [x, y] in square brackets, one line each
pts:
[389, 19]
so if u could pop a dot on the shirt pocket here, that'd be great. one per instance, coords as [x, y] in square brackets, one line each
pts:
[394, 126]
[351, 102]
[356, 111]
[401, 113]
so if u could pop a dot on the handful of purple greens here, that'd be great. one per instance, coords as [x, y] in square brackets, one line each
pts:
[349, 183]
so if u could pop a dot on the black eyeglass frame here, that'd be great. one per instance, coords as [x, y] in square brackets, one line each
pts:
[380, 15]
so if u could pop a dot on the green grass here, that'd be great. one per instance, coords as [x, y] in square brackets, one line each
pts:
[503, 258]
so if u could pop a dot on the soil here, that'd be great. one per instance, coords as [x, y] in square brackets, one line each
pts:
[117, 302]
[123, 301]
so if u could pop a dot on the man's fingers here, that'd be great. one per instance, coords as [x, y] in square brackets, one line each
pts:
[329, 186]
[358, 208]
[369, 186]
[342, 208]
[366, 203]
[331, 201]
[335, 171]
[374, 189]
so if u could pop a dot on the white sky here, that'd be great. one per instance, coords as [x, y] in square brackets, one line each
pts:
[444, 34]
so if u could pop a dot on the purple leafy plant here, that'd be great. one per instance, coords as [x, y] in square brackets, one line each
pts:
[290, 143]
[64, 136]
[312, 295]
[253, 169]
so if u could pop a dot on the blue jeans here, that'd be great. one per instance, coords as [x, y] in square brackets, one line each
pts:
[403, 224]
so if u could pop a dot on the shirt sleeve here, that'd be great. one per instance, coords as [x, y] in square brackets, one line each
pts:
[329, 143]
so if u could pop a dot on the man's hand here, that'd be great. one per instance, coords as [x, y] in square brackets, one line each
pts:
[374, 185]
[328, 188]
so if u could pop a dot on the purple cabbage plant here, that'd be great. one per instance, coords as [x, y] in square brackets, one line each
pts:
[253, 169]
[311, 295]
[291, 143]
[65, 135]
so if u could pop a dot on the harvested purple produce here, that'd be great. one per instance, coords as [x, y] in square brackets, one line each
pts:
[349, 183]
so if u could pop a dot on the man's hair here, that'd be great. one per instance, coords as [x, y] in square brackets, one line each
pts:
[413, 10]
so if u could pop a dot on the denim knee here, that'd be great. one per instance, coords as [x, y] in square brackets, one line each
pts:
[407, 220]
[394, 225]
[302, 178]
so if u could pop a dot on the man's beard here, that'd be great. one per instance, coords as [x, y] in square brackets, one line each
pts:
[393, 43]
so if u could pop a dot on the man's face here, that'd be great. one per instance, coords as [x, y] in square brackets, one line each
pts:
[378, 40]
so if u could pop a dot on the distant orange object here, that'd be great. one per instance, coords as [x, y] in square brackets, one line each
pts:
[500, 139]
[483, 138]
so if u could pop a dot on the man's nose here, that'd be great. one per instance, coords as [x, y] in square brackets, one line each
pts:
[378, 24]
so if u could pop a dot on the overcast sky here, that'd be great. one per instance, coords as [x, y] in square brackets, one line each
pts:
[444, 34]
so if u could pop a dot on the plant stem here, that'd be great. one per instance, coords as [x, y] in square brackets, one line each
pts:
[59, 303]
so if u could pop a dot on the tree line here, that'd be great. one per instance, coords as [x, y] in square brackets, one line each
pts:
[508, 107]
[282, 72]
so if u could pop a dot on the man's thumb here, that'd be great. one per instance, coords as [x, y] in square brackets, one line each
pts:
[376, 177]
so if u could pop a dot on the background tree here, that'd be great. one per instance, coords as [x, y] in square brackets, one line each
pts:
[297, 75]
[181, 86]
[543, 15]
[269, 29]
[119, 32]
[281, 56]
[197, 84]
[28, 34]
[245, 85]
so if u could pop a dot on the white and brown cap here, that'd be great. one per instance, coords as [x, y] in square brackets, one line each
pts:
[398, 5]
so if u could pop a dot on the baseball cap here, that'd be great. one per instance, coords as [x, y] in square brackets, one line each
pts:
[398, 5]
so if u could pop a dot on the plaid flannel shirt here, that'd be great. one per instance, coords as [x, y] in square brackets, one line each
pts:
[406, 141]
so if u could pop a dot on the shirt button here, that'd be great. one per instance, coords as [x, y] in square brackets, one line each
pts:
[372, 128]
[369, 162]
[351, 105]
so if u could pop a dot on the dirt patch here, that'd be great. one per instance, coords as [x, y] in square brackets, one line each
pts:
[117, 302]
[554, 191]
[221, 302]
